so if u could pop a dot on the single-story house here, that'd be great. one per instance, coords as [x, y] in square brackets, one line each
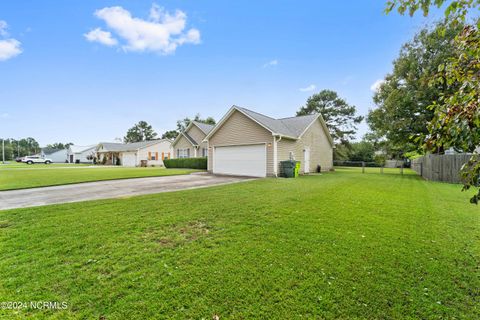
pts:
[56, 155]
[81, 154]
[131, 154]
[189, 143]
[248, 143]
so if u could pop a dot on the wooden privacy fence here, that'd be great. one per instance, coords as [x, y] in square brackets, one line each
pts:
[441, 167]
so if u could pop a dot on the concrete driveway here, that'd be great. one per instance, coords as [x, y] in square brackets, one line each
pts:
[108, 189]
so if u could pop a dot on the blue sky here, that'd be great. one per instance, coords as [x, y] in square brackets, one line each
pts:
[65, 83]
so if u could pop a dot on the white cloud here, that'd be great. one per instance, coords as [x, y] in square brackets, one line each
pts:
[155, 12]
[4, 115]
[163, 32]
[308, 88]
[376, 85]
[9, 48]
[271, 63]
[3, 28]
[104, 37]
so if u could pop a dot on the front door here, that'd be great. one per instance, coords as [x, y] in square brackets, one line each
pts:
[71, 158]
[306, 160]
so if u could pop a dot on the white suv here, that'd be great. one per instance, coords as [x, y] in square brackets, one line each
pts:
[35, 159]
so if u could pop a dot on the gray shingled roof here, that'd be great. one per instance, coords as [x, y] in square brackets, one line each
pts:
[292, 127]
[206, 128]
[189, 138]
[79, 149]
[297, 125]
[118, 147]
[48, 151]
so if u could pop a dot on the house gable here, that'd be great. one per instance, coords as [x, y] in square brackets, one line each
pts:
[196, 134]
[321, 147]
[238, 129]
[183, 143]
[182, 138]
[193, 134]
[324, 127]
[234, 110]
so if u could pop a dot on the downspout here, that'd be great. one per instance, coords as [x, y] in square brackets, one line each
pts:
[275, 154]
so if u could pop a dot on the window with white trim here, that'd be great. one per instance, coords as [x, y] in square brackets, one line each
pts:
[204, 152]
[183, 153]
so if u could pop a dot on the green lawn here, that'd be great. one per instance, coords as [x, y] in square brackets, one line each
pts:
[376, 170]
[336, 246]
[20, 165]
[41, 176]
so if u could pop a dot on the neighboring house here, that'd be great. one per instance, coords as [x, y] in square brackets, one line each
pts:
[81, 154]
[189, 143]
[56, 155]
[248, 143]
[131, 154]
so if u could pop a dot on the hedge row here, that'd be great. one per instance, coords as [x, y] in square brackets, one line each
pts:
[341, 163]
[190, 163]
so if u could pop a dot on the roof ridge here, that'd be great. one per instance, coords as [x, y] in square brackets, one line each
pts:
[305, 115]
[256, 112]
[208, 124]
[146, 141]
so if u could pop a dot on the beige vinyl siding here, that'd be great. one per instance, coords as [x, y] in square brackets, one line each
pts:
[284, 147]
[164, 146]
[315, 138]
[238, 129]
[183, 143]
[197, 135]
[199, 151]
[321, 151]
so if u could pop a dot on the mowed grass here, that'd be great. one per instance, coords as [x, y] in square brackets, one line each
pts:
[51, 176]
[340, 245]
[376, 170]
[20, 165]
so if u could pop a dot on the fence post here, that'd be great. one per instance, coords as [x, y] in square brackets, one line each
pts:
[401, 169]
[363, 166]
[381, 169]
[421, 169]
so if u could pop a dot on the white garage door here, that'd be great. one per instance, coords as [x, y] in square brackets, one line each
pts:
[129, 159]
[248, 160]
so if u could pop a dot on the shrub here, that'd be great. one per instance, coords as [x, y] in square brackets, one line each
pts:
[380, 160]
[354, 164]
[188, 163]
[413, 155]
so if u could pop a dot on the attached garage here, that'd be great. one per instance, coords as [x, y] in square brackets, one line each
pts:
[243, 160]
[129, 159]
[247, 143]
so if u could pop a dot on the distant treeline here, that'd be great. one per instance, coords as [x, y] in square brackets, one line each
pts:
[19, 148]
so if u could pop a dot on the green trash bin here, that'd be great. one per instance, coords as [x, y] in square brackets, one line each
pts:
[297, 169]
[288, 168]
